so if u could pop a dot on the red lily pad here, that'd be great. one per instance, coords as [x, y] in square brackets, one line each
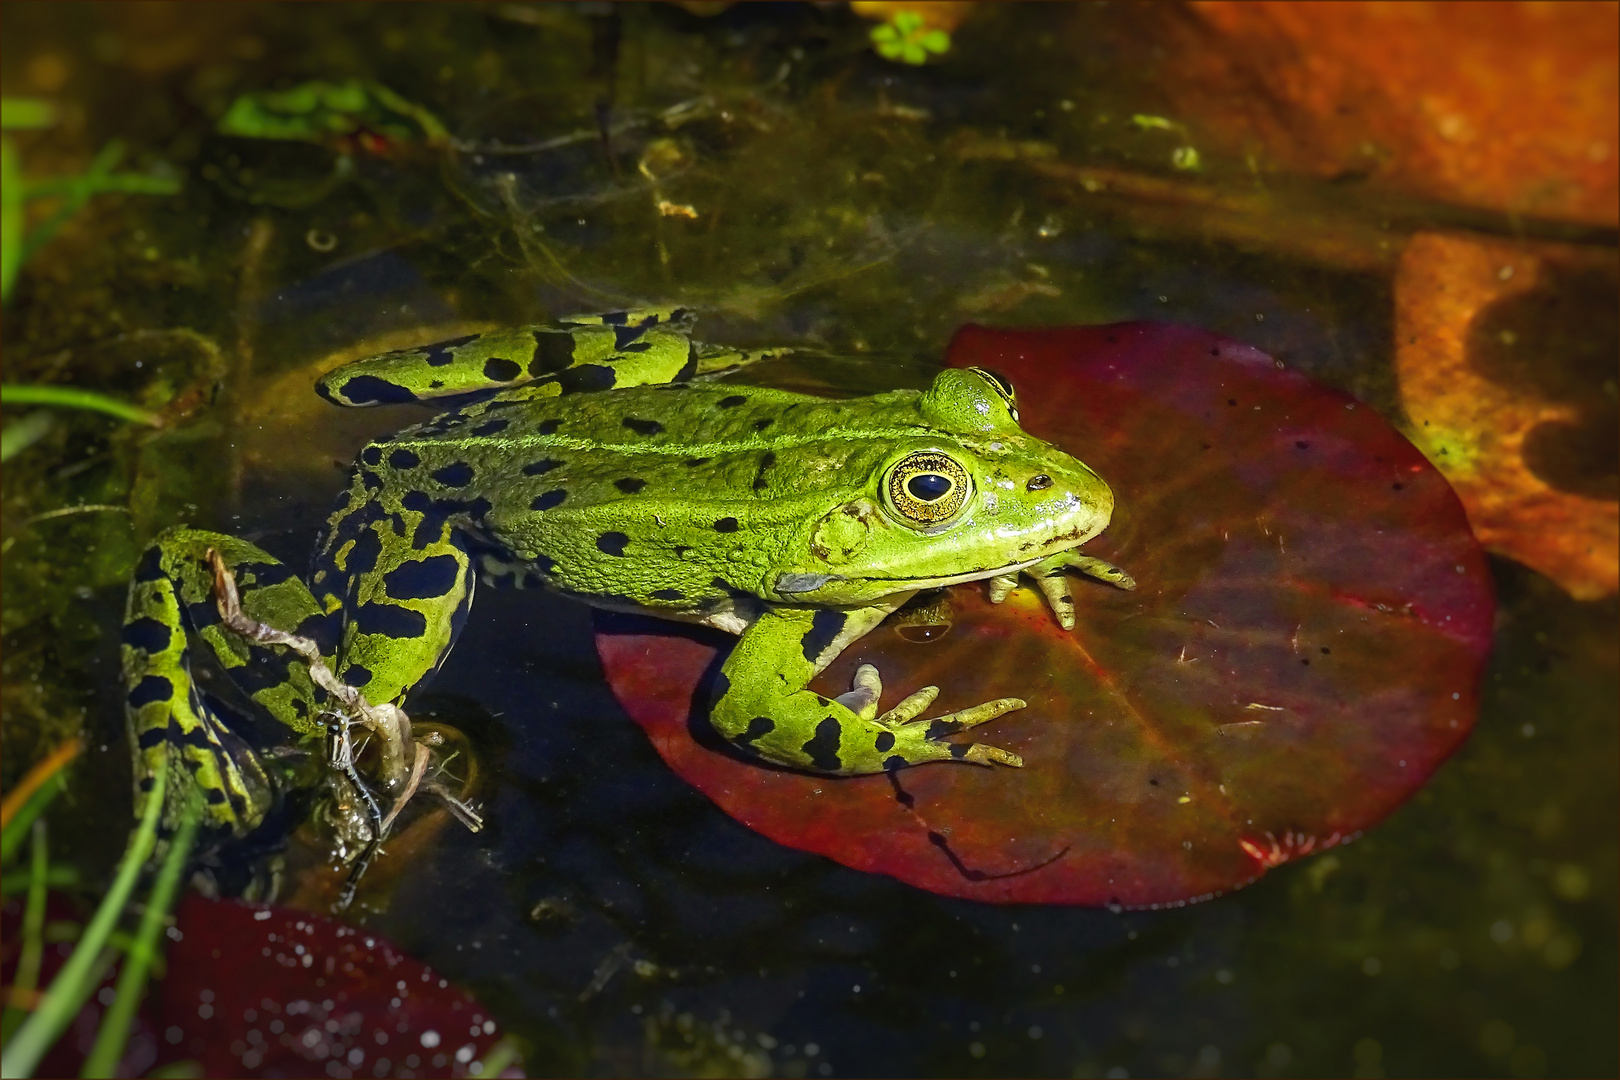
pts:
[252, 990]
[1304, 647]
[261, 991]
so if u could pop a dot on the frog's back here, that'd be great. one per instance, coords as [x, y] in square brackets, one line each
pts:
[663, 496]
[656, 445]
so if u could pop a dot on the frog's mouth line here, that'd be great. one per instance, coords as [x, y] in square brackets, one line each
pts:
[958, 579]
[796, 584]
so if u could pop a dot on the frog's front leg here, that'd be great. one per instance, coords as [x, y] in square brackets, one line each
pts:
[763, 704]
[1051, 576]
[396, 565]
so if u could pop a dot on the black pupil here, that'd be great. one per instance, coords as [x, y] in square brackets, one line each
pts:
[927, 487]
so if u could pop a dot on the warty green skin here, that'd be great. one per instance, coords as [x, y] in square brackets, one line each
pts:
[601, 469]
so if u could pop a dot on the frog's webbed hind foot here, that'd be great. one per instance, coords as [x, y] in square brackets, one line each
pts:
[1051, 577]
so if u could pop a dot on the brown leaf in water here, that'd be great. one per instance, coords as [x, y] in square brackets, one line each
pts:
[1501, 368]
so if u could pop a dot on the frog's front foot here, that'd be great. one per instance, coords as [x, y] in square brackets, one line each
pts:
[1051, 576]
[918, 740]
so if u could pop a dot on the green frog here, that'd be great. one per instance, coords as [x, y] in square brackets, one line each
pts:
[599, 457]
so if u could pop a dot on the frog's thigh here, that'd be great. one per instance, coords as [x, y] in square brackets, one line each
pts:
[168, 718]
[602, 352]
[409, 583]
[763, 704]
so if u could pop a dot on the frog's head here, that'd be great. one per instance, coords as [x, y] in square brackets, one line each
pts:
[969, 496]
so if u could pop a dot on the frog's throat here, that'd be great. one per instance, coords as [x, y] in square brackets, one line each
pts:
[800, 585]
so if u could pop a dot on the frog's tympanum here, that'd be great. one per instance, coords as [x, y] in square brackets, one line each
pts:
[598, 459]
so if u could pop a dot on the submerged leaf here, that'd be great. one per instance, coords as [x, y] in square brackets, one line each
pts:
[1303, 649]
[1500, 346]
[260, 991]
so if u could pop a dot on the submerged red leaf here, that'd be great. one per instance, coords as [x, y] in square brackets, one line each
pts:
[1303, 650]
[261, 991]
[264, 991]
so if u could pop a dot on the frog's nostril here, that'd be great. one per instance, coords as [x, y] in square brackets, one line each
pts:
[1039, 482]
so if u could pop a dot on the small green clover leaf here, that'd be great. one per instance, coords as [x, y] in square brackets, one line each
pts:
[906, 39]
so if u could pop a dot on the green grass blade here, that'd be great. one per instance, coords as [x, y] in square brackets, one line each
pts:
[32, 952]
[17, 437]
[17, 827]
[26, 114]
[103, 164]
[82, 188]
[77, 980]
[11, 218]
[56, 877]
[501, 1056]
[114, 1031]
[70, 397]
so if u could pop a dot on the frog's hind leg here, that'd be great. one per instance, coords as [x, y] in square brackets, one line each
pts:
[763, 703]
[600, 352]
[171, 600]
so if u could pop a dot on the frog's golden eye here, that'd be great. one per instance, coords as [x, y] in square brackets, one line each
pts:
[1002, 385]
[927, 488]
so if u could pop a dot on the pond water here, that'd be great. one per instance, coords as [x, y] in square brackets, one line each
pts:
[764, 164]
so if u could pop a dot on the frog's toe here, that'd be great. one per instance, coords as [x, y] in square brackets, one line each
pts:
[920, 743]
[1056, 589]
[972, 717]
[983, 754]
[1102, 571]
[865, 690]
[1001, 586]
[909, 709]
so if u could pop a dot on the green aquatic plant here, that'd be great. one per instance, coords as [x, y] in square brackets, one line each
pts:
[357, 111]
[77, 980]
[17, 242]
[908, 39]
[1148, 122]
[352, 118]
[32, 950]
[30, 429]
[142, 954]
[33, 793]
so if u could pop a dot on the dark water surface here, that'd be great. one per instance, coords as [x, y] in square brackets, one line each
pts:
[610, 915]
